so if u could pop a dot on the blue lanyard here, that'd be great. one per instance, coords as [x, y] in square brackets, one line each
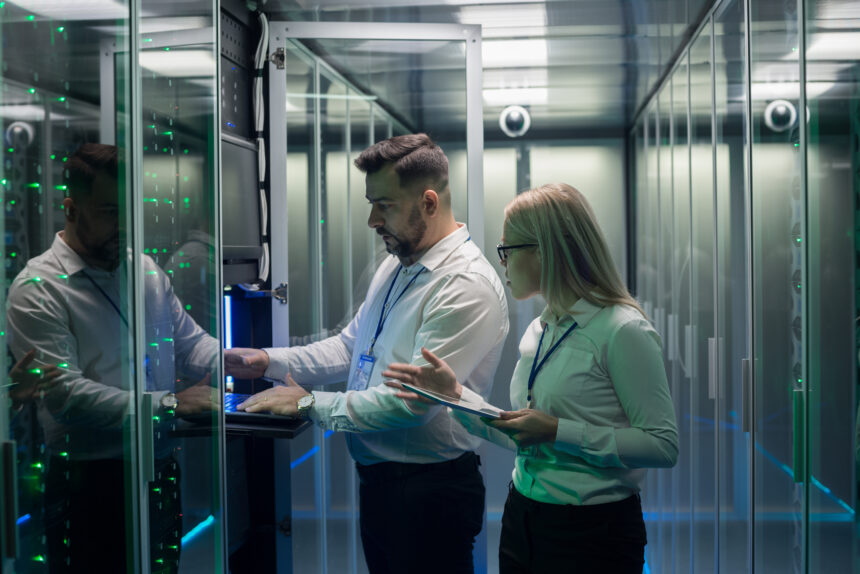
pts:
[382, 314]
[536, 367]
[106, 296]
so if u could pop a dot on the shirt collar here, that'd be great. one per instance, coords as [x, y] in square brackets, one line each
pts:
[443, 248]
[582, 312]
[70, 261]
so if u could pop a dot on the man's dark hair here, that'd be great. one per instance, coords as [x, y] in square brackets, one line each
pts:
[416, 159]
[86, 163]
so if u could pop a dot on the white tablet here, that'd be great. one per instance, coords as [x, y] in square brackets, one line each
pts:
[489, 412]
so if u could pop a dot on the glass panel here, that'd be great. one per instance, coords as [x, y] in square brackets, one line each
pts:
[778, 217]
[68, 297]
[732, 307]
[180, 219]
[679, 326]
[334, 222]
[333, 253]
[663, 308]
[649, 271]
[305, 298]
[833, 180]
[702, 399]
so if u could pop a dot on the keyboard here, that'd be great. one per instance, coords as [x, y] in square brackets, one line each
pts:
[233, 400]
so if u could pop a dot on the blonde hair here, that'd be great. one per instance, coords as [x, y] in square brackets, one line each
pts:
[575, 260]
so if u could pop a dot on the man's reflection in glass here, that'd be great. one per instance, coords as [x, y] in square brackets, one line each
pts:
[70, 305]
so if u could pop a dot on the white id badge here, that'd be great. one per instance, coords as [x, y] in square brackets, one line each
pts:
[361, 378]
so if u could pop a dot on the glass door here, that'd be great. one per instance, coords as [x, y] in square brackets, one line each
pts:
[319, 206]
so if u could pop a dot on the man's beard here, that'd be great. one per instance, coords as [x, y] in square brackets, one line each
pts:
[407, 244]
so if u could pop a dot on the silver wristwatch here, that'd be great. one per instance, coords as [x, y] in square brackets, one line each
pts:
[305, 404]
[169, 401]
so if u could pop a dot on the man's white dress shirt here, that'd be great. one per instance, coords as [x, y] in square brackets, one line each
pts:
[55, 307]
[455, 307]
[606, 384]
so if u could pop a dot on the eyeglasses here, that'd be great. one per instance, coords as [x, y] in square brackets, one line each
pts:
[502, 250]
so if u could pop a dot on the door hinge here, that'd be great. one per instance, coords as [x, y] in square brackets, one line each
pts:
[278, 58]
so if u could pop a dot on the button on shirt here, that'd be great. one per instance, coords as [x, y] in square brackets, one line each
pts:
[55, 308]
[456, 308]
[606, 384]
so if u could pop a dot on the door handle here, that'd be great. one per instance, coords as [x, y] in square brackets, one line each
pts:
[745, 398]
[797, 427]
[688, 351]
[9, 497]
[712, 368]
[148, 439]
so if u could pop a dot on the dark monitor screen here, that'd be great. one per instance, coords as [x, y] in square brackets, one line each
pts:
[240, 203]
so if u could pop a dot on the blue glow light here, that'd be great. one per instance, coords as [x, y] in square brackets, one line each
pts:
[23, 519]
[310, 453]
[304, 457]
[194, 532]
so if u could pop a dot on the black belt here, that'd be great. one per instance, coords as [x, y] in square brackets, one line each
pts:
[387, 471]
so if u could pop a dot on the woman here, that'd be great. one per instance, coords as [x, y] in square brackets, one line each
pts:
[592, 402]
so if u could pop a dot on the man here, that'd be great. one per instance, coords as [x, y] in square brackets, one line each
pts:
[68, 309]
[421, 493]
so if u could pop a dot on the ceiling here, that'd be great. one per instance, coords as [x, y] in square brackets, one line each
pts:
[581, 67]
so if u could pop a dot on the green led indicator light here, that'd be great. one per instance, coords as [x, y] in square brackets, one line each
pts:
[156, 489]
[167, 339]
[797, 145]
[4, 181]
[63, 365]
[167, 49]
[167, 133]
[151, 126]
[61, 99]
[36, 371]
[13, 254]
[187, 200]
[798, 285]
[153, 344]
[65, 159]
[32, 90]
[33, 185]
[12, 202]
[61, 29]
[31, 17]
[146, 250]
[63, 276]
[53, 156]
[38, 558]
[11, 150]
[36, 465]
[147, 39]
[156, 418]
[185, 151]
[800, 381]
[322, 221]
[151, 273]
[164, 150]
[150, 200]
[185, 178]
[188, 307]
[64, 454]
[164, 250]
[799, 239]
[181, 253]
[61, 187]
[160, 560]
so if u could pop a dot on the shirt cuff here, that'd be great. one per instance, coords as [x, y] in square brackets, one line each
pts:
[570, 436]
[279, 367]
[320, 413]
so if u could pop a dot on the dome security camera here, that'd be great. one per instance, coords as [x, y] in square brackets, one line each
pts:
[780, 115]
[515, 121]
